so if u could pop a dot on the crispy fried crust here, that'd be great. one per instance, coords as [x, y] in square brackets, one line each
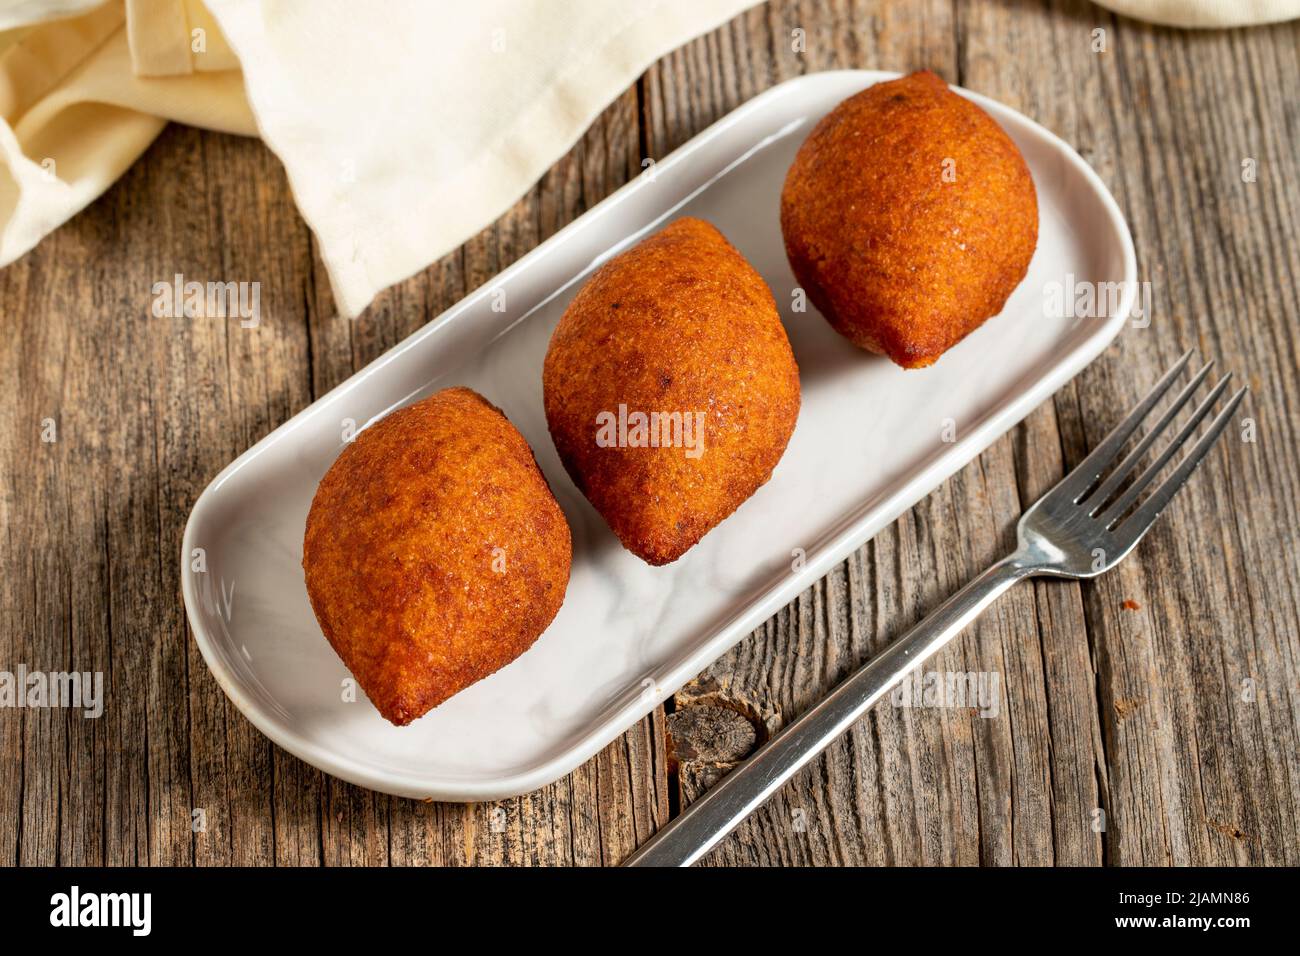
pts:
[401, 552]
[900, 260]
[680, 323]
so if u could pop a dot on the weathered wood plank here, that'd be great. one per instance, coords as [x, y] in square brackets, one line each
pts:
[1081, 732]
[148, 410]
[1215, 580]
[935, 775]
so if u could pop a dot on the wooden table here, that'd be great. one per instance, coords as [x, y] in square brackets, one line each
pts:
[1164, 695]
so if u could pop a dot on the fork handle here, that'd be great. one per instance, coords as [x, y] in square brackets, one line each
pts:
[748, 786]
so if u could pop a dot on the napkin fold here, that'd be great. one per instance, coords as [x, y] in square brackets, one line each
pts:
[74, 115]
[404, 134]
[404, 127]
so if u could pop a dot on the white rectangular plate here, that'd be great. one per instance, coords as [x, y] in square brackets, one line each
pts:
[868, 445]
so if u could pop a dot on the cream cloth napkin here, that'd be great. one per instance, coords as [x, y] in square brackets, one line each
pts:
[404, 126]
[1206, 13]
[74, 114]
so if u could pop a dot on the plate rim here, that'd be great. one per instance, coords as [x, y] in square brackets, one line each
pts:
[855, 531]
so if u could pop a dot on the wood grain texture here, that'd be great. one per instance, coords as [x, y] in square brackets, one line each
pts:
[1176, 714]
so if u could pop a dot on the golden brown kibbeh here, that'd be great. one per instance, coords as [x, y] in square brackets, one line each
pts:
[435, 553]
[909, 217]
[679, 329]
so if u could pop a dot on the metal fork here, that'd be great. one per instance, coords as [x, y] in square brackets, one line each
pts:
[1079, 529]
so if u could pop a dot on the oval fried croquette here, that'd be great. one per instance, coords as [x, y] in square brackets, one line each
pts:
[435, 553]
[909, 216]
[670, 388]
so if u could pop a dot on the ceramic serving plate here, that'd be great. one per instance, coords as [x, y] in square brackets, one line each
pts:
[869, 443]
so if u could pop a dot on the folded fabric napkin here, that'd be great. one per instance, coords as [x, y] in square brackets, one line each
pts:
[403, 132]
[1207, 13]
[404, 128]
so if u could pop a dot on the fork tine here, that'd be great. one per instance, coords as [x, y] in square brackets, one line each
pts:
[1079, 481]
[1113, 480]
[1149, 510]
[1144, 517]
[1124, 501]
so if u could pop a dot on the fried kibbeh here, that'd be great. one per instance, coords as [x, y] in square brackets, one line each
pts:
[670, 388]
[435, 553]
[909, 217]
